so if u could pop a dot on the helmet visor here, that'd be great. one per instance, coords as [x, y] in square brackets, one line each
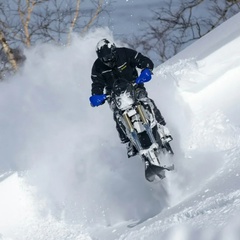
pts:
[108, 58]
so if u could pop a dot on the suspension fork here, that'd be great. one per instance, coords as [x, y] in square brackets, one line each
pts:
[132, 131]
[147, 127]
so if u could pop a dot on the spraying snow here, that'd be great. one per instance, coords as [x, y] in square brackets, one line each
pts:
[66, 176]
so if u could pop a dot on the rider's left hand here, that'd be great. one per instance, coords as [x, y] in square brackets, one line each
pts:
[145, 76]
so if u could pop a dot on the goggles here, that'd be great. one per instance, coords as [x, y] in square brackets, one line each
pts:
[108, 58]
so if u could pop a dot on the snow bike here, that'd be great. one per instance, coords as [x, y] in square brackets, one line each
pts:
[137, 119]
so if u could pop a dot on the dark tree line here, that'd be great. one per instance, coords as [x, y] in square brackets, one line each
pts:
[177, 24]
[173, 26]
[24, 23]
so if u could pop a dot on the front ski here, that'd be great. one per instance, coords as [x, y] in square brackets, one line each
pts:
[151, 171]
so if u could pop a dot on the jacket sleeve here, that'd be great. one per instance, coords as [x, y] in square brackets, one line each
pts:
[139, 60]
[97, 82]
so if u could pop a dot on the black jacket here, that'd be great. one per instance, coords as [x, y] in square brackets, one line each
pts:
[126, 62]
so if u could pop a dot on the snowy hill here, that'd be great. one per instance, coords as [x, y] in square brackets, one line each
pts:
[64, 174]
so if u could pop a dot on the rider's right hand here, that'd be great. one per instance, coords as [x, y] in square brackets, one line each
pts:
[97, 100]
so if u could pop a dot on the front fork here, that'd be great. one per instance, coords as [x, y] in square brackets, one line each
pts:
[132, 131]
[147, 127]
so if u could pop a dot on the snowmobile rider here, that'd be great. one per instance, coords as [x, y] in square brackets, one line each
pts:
[119, 63]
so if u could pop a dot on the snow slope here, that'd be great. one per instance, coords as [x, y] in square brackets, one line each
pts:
[64, 174]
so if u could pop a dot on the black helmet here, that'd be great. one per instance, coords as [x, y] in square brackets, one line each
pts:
[106, 52]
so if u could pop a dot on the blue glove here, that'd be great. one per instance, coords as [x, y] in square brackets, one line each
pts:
[145, 76]
[97, 100]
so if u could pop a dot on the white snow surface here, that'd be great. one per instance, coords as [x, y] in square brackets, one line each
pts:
[64, 174]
